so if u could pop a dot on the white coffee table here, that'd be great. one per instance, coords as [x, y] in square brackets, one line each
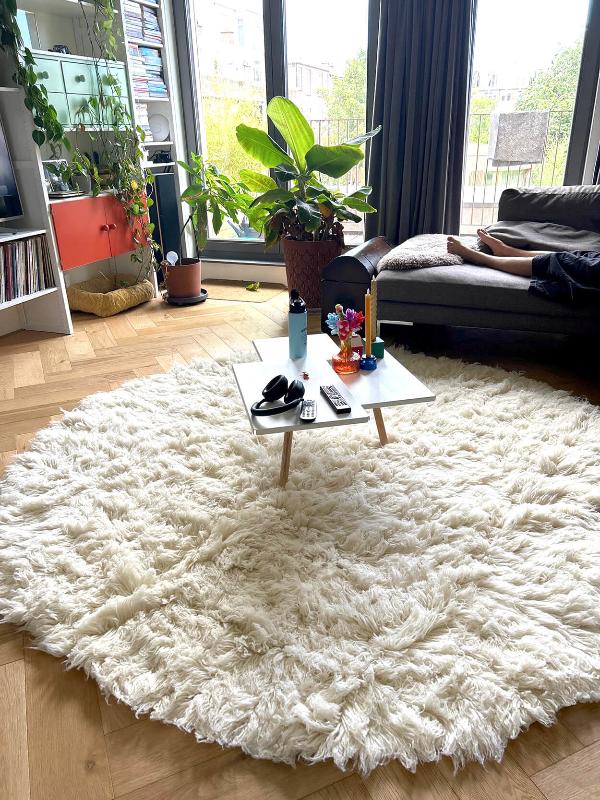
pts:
[253, 377]
[390, 384]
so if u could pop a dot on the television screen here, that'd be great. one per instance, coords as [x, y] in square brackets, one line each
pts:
[10, 203]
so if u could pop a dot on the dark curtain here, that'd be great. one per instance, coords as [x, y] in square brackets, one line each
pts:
[419, 74]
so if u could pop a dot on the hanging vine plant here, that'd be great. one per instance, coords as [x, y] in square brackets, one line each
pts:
[108, 126]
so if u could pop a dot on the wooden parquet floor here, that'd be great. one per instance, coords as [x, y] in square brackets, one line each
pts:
[60, 740]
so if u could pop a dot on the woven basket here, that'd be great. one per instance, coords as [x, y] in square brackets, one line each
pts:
[107, 295]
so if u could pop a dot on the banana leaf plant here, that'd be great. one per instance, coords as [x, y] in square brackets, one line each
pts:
[295, 204]
[210, 192]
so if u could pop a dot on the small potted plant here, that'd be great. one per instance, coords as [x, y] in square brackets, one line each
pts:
[307, 217]
[209, 192]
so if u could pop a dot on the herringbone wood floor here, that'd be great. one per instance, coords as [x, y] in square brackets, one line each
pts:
[60, 740]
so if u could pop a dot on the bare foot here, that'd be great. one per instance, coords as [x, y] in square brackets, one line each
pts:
[471, 256]
[497, 246]
[457, 248]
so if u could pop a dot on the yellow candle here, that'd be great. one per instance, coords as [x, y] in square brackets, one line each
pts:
[368, 323]
[373, 310]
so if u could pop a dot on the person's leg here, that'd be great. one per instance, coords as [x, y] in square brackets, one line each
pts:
[498, 247]
[516, 265]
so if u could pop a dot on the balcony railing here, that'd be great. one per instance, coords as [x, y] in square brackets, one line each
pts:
[335, 131]
[484, 179]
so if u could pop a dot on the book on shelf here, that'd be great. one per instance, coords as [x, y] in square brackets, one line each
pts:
[141, 113]
[151, 26]
[132, 18]
[142, 23]
[25, 268]
[139, 78]
[153, 65]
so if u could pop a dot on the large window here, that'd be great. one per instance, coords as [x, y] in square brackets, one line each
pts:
[525, 76]
[327, 77]
[239, 66]
[228, 42]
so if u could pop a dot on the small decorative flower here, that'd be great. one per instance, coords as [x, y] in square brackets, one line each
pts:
[134, 185]
[355, 319]
[332, 322]
[343, 329]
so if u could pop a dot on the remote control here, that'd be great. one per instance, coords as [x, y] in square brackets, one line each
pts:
[308, 411]
[335, 399]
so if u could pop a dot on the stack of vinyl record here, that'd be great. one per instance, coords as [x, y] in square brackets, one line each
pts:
[25, 268]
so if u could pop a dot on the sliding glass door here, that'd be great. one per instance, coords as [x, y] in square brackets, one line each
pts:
[243, 52]
[526, 72]
[327, 78]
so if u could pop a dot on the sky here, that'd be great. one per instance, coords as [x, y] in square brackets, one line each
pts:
[517, 37]
[521, 36]
[322, 31]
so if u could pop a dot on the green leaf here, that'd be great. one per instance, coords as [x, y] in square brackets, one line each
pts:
[257, 181]
[38, 137]
[272, 197]
[361, 193]
[259, 145]
[217, 217]
[309, 216]
[359, 204]
[334, 161]
[194, 193]
[364, 137]
[285, 172]
[293, 126]
[187, 167]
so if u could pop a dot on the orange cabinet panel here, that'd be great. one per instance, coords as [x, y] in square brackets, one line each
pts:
[81, 231]
[90, 229]
[119, 231]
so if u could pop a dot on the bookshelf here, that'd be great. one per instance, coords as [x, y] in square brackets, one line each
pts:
[46, 309]
[145, 103]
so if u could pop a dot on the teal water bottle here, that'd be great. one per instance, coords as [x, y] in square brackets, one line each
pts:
[297, 322]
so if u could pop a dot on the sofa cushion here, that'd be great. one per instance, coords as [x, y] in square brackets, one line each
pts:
[470, 286]
[544, 236]
[576, 206]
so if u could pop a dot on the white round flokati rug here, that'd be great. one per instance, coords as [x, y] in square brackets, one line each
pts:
[431, 597]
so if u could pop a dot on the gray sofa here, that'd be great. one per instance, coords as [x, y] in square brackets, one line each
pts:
[563, 218]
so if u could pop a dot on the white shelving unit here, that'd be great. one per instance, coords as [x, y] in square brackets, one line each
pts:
[19, 300]
[62, 22]
[46, 310]
[169, 106]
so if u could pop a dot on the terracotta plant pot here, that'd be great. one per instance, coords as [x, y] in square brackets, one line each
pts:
[184, 279]
[304, 263]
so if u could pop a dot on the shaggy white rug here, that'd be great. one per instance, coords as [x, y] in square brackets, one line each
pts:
[433, 597]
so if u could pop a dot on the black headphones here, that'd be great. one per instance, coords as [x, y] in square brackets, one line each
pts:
[275, 389]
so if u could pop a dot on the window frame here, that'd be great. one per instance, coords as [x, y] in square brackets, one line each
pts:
[275, 84]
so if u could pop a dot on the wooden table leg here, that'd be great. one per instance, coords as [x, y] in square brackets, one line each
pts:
[285, 458]
[383, 439]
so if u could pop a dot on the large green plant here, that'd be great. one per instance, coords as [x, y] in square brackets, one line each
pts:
[211, 192]
[307, 210]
